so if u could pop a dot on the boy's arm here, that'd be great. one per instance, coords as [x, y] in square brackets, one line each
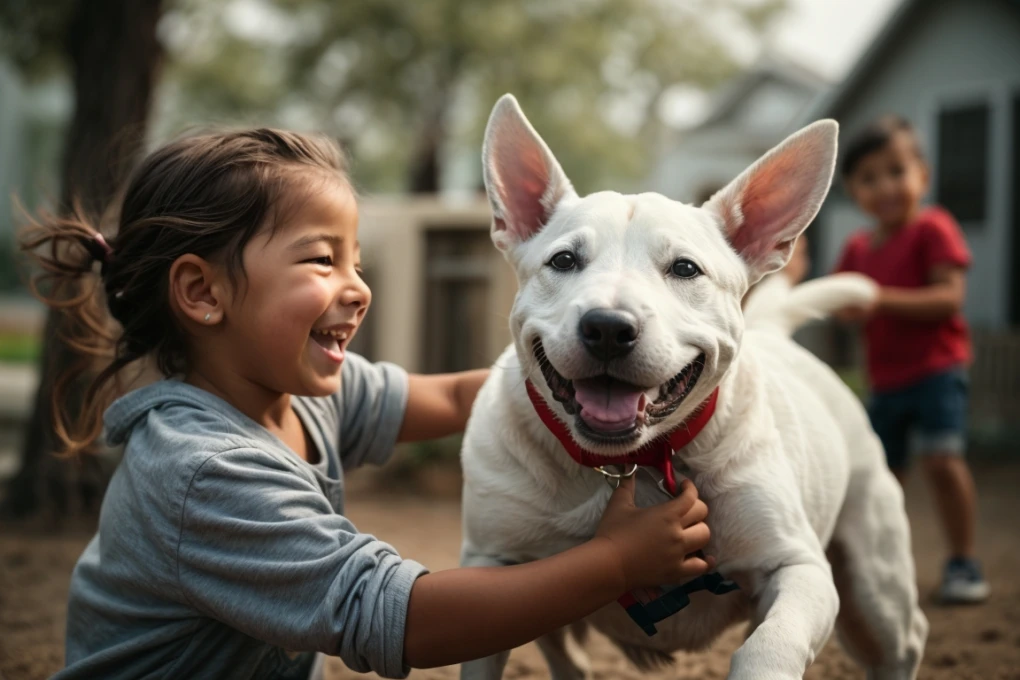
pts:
[941, 299]
[438, 405]
[845, 263]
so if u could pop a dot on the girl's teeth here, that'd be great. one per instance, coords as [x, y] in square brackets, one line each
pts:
[339, 335]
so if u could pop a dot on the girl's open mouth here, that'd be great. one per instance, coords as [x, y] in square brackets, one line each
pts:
[331, 342]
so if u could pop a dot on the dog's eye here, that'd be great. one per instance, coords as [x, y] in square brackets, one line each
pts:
[684, 269]
[563, 260]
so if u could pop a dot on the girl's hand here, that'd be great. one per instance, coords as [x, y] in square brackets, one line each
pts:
[654, 546]
[469, 613]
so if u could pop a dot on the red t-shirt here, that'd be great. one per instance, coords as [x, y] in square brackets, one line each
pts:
[901, 351]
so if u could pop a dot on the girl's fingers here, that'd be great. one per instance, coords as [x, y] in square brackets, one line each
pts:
[694, 566]
[624, 493]
[696, 537]
[696, 514]
[685, 499]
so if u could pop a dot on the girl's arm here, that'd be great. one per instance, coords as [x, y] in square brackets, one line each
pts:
[464, 614]
[940, 300]
[260, 548]
[438, 405]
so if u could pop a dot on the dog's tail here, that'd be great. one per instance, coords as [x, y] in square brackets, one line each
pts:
[775, 305]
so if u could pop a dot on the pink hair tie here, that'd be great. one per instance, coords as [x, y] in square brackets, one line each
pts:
[107, 250]
[99, 249]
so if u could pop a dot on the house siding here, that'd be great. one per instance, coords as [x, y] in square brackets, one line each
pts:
[950, 51]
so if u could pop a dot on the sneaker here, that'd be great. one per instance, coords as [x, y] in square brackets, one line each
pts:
[962, 582]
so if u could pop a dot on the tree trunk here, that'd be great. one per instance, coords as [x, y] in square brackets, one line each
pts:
[425, 166]
[114, 57]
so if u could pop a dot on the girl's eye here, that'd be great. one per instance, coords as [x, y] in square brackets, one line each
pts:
[684, 269]
[563, 260]
[325, 261]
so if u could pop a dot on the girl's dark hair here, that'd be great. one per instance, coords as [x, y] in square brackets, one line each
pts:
[208, 195]
[875, 136]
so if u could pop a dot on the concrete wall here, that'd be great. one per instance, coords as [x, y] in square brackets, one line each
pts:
[953, 51]
[393, 235]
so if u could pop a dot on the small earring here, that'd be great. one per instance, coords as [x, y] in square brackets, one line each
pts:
[208, 316]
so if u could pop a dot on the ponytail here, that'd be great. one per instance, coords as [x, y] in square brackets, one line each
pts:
[67, 251]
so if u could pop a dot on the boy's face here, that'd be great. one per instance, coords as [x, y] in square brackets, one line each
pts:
[890, 182]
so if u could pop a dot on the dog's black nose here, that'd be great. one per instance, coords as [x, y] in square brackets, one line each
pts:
[609, 333]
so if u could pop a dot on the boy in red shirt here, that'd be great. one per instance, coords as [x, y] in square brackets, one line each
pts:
[918, 345]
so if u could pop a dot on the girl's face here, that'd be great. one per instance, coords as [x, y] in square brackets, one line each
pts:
[303, 298]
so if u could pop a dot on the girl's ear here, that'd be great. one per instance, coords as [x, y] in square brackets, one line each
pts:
[196, 290]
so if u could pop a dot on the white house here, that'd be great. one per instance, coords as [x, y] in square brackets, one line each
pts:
[952, 67]
[749, 115]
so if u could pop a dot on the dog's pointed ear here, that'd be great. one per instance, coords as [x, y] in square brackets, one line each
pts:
[523, 180]
[766, 208]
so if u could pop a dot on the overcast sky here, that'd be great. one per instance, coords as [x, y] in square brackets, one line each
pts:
[828, 35]
[825, 36]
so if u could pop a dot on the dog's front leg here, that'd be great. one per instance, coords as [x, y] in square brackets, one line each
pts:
[796, 609]
[489, 667]
[771, 550]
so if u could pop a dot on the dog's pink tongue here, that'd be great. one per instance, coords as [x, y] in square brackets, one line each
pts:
[607, 405]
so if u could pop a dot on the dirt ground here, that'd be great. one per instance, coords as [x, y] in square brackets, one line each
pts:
[970, 643]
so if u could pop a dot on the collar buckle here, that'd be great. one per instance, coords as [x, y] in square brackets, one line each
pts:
[613, 479]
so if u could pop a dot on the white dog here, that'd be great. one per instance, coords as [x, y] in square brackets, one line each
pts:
[627, 325]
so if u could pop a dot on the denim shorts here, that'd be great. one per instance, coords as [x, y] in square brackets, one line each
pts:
[927, 417]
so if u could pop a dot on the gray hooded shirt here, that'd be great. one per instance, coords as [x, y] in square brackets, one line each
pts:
[221, 554]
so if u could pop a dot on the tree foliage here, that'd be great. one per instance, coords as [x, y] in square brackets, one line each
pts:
[32, 34]
[401, 80]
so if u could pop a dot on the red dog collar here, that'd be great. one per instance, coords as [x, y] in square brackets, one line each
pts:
[656, 453]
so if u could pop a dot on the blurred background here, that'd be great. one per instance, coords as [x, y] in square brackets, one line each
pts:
[674, 96]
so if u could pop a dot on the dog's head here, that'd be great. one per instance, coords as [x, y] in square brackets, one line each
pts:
[628, 309]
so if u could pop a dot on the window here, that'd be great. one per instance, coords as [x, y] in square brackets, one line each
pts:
[458, 267]
[962, 181]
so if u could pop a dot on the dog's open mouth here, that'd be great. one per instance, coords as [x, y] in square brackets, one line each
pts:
[610, 409]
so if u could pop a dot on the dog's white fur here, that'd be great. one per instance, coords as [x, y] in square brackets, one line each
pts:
[789, 466]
